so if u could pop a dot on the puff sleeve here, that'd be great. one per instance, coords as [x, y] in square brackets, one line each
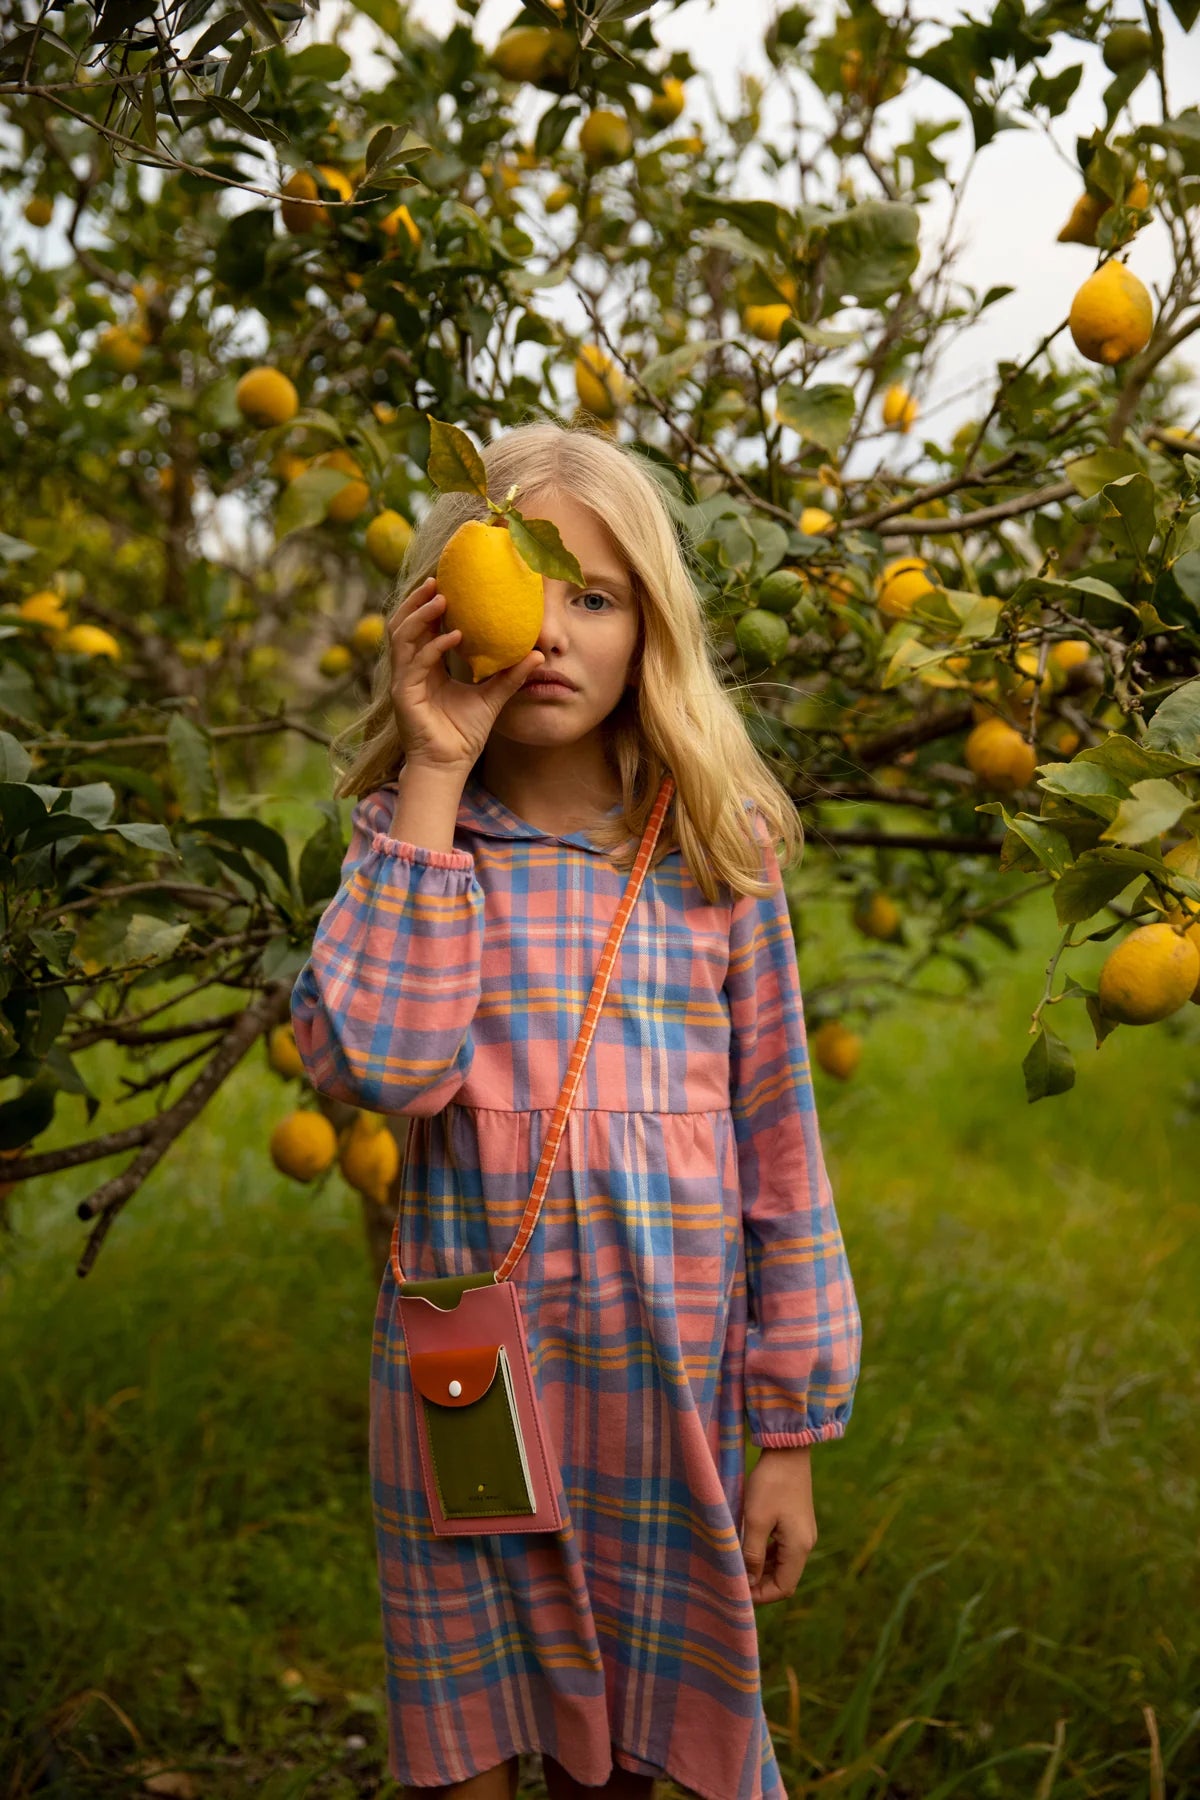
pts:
[382, 1010]
[804, 1332]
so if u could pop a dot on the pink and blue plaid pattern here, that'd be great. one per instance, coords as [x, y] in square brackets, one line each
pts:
[687, 1275]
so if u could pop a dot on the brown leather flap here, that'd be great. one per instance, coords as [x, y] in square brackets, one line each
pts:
[473, 1368]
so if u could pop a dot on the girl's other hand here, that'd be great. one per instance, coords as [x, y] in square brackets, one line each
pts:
[443, 723]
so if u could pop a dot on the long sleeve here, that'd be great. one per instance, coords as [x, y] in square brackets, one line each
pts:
[804, 1332]
[382, 1010]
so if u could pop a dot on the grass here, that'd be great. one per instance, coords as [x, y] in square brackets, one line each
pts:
[1004, 1598]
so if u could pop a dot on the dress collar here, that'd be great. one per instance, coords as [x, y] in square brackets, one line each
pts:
[482, 812]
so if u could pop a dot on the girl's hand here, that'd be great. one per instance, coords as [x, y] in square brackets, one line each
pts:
[778, 1499]
[443, 723]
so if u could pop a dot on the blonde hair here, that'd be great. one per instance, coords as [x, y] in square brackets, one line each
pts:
[681, 718]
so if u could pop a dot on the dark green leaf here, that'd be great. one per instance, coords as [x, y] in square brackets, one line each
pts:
[1130, 760]
[190, 752]
[822, 412]
[1102, 1024]
[663, 374]
[538, 542]
[1050, 847]
[1049, 1067]
[553, 127]
[252, 834]
[1088, 474]
[15, 761]
[236, 64]
[241, 255]
[1054, 91]
[20, 808]
[150, 939]
[94, 801]
[147, 837]
[1175, 726]
[322, 62]
[282, 960]
[258, 15]
[870, 252]
[321, 862]
[149, 111]
[455, 465]
[1086, 887]
[764, 222]
[1091, 787]
[218, 33]
[23, 1119]
[305, 501]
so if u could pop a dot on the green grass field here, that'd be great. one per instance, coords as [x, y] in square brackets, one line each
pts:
[1005, 1597]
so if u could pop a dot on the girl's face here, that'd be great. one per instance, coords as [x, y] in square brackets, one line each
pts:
[589, 633]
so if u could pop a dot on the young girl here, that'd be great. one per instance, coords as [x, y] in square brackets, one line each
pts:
[687, 1273]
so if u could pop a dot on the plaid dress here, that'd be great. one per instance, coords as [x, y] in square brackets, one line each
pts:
[687, 1277]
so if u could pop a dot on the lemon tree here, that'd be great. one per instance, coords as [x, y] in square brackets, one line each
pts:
[971, 653]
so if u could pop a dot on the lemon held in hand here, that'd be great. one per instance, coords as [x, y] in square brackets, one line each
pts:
[493, 598]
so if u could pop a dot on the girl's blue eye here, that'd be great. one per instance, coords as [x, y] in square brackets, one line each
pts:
[594, 594]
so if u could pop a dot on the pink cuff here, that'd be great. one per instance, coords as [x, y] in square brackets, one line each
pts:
[795, 1440]
[418, 853]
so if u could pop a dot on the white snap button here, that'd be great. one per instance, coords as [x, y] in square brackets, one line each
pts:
[456, 1388]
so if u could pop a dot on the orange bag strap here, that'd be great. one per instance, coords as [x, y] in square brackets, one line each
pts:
[558, 1122]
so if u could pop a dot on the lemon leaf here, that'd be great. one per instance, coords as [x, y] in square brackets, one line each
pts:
[664, 373]
[455, 465]
[305, 501]
[1175, 726]
[538, 542]
[1049, 1067]
[822, 412]
[1153, 806]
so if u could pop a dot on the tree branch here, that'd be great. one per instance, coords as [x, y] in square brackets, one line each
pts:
[888, 744]
[986, 515]
[951, 843]
[269, 1009]
[158, 740]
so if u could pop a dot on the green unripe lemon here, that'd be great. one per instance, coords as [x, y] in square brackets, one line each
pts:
[780, 591]
[761, 637]
[1126, 44]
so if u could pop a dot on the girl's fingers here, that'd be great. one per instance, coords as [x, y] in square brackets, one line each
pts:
[421, 618]
[417, 597]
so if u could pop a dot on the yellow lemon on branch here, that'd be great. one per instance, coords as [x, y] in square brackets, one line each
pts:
[266, 397]
[836, 1049]
[303, 1145]
[902, 584]
[1148, 975]
[1111, 316]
